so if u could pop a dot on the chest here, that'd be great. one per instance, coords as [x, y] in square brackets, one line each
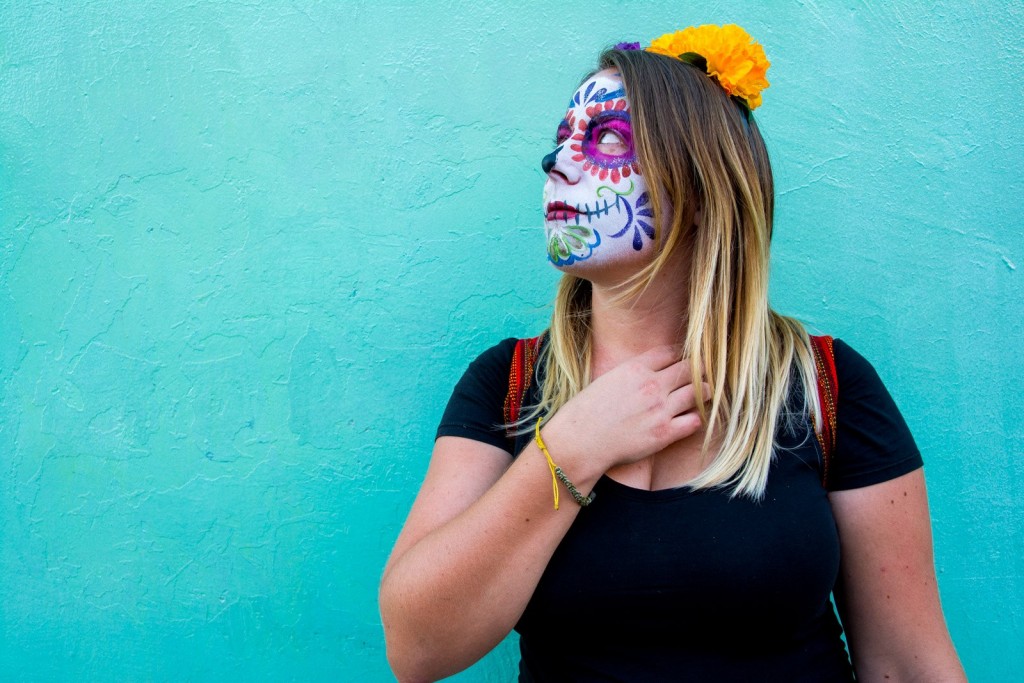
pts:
[697, 565]
[670, 468]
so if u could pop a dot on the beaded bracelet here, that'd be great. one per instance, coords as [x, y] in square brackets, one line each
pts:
[557, 475]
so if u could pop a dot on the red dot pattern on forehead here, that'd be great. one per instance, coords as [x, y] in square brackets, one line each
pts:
[606, 106]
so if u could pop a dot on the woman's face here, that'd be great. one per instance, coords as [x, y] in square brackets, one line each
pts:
[597, 212]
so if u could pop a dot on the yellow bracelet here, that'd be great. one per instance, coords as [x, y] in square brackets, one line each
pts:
[551, 463]
[557, 475]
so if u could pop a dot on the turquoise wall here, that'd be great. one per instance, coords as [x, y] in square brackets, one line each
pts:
[248, 247]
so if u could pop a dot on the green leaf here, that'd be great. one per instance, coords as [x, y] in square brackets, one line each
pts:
[695, 59]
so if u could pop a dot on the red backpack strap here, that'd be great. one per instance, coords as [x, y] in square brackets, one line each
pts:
[520, 374]
[828, 397]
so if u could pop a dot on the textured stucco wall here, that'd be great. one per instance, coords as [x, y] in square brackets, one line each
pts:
[247, 247]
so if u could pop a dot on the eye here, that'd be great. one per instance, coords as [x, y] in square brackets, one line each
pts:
[611, 132]
[609, 138]
[563, 132]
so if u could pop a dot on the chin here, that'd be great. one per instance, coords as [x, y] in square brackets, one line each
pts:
[603, 272]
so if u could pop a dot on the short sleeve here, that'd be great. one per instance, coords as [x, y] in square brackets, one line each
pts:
[476, 407]
[873, 442]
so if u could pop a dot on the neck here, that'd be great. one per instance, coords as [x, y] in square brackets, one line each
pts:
[624, 328]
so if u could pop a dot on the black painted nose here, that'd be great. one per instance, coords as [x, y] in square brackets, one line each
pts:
[548, 162]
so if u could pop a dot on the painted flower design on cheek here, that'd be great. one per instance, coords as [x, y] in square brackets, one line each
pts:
[572, 243]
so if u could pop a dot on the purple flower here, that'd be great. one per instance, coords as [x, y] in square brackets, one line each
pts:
[627, 46]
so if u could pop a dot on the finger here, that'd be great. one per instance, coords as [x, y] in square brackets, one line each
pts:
[659, 358]
[705, 392]
[678, 374]
[684, 399]
[681, 400]
[685, 425]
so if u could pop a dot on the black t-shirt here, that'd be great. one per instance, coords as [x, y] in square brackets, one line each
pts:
[682, 585]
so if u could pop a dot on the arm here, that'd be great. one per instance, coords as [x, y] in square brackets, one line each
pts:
[887, 596]
[473, 548]
[483, 527]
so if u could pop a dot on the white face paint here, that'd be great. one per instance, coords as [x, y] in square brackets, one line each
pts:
[597, 211]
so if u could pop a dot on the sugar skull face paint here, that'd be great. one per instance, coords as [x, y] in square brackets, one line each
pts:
[596, 204]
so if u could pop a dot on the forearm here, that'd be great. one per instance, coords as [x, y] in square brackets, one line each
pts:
[939, 664]
[924, 655]
[451, 597]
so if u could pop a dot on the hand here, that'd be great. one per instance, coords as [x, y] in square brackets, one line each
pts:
[630, 412]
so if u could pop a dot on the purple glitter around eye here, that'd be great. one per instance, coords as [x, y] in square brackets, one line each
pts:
[617, 122]
[627, 46]
[564, 131]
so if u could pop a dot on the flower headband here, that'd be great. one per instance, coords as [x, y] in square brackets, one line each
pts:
[726, 53]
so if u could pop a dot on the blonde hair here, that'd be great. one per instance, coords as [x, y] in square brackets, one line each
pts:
[698, 149]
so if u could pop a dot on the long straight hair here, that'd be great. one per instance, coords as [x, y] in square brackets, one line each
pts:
[699, 150]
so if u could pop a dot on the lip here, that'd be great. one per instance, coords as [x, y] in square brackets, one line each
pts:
[560, 211]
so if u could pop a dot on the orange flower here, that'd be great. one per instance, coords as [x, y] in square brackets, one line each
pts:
[734, 59]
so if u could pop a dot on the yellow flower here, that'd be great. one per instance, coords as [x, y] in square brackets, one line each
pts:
[734, 59]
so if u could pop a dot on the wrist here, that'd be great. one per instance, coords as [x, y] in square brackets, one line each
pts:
[570, 454]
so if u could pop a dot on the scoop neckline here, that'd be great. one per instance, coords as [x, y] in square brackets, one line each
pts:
[616, 488]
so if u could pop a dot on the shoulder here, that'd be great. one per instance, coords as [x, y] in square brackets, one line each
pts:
[508, 365]
[851, 365]
[494, 359]
[475, 409]
[487, 374]
[873, 441]
[860, 386]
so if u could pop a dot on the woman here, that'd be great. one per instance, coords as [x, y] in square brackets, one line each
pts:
[683, 408]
